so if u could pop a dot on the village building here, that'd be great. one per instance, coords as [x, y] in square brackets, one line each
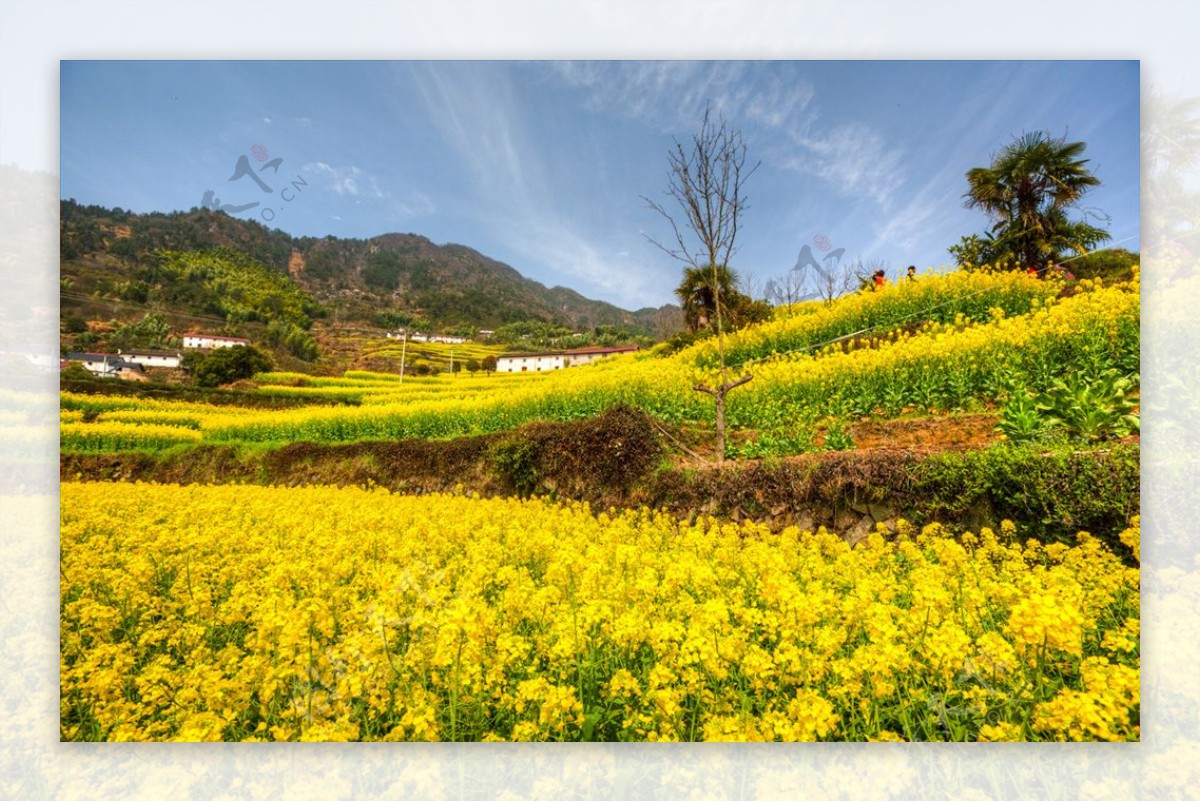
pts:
[556, 360]
[521, 363]
[105, 365]
[583, 356]
[193, 340]
[153, 359]
[420, 337]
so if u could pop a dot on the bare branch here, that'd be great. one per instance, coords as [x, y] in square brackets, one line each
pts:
[706, 183]
[727, 386]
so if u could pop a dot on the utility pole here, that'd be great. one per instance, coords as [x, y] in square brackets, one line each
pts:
[451, 361]
[403, 351]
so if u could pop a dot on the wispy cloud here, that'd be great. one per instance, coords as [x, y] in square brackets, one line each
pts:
[913, 226]
[577, 258]
[520, 189]
[668, 94]
[851, 158]
[638, 89]
[347, 180]
[354, 182]
[780, 118]
[476, 110]
[515, 194]
[782, 105]
[414, 204]
[932, 215]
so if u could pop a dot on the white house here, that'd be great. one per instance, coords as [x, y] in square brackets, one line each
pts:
[522, 363]
[419, 337]
[107, 365]
[554, 360]
[153, 359]
[583, 356]
[212, 341]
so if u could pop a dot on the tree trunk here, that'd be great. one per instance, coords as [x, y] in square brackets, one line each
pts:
[718, 394]
[720, 427]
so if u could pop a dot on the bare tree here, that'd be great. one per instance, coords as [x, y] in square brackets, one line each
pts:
[785, 289]
[860, 272]
[752, 285]
[838, 281]
[667, 322]
[706, 183]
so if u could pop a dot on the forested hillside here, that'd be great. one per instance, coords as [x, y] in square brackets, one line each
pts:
[116, 258]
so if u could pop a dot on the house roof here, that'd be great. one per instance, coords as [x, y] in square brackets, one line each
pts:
[148, 352]
[616, 349]
[114, 361]
[86, 356]
[528, 354]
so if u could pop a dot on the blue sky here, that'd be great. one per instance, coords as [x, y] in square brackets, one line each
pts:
[544, 165]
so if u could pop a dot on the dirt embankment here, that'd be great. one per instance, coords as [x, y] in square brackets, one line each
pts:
[928, 435]
[624, 459]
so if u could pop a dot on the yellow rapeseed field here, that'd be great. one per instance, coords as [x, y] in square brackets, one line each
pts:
[937, 366]
[259, 613]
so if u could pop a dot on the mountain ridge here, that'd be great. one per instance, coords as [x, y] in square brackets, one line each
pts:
[391, 279]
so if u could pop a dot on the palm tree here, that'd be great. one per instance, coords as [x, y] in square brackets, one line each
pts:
[1027, 191]
[696, 296]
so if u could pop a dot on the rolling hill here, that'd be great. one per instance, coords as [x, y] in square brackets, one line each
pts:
[109, 258]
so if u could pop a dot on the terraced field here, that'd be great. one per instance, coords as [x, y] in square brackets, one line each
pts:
[239, 608]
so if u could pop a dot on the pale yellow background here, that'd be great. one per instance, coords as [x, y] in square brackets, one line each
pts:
[34, 765]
